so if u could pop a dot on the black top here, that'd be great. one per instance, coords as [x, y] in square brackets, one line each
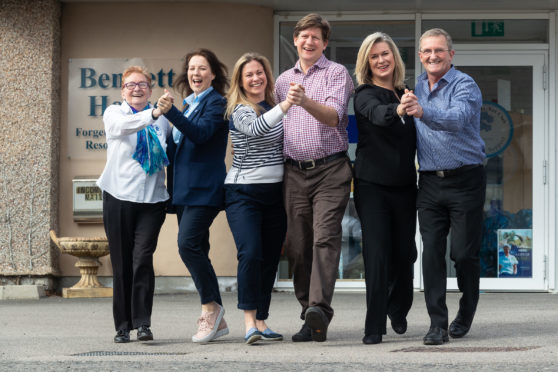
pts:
[386, 147]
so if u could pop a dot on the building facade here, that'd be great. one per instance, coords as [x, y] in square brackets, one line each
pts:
[60, 66]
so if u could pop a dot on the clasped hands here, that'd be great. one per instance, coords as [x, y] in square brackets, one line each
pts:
[409, 105]
[164, 104]
[295, 96]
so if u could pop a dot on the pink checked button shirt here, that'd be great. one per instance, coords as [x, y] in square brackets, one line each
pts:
[305, 137]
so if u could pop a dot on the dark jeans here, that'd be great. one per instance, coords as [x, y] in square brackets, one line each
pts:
[132, 230]
[315, 201]
[193, 246]
[388, 218]
[454, 202]
[258, 223]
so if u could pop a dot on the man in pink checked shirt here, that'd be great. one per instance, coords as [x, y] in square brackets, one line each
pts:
[317, 177]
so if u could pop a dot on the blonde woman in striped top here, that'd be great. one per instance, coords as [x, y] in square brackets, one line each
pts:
[253, 189]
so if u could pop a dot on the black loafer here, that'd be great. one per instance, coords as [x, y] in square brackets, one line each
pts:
[436, 336]
[122, 337]
[144, 334]
[399, 326]
[318, 322]
[372, 339]
[304, 335]
[459, 327]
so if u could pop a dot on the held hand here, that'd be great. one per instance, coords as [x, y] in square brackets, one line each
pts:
[296, 94]
[401, 110]
[405, 100]
[285, 106]
[410, 104]
[169, 95]
[409, 98]
[164, 104]
[156, 113]
[414, 110]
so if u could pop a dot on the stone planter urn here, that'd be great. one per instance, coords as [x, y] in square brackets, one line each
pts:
[88, 251]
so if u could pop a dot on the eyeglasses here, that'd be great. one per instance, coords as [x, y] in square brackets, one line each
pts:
[429, 52]
[132, 85]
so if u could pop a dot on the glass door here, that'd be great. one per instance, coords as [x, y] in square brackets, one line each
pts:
[513, 125]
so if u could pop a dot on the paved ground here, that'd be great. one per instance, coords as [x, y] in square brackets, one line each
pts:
[512, 332]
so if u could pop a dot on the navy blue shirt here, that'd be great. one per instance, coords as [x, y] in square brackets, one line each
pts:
[448, 134]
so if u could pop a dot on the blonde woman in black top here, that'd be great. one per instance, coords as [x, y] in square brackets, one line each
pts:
[385, 185]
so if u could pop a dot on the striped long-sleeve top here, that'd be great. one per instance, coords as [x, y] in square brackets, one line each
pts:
[258, 145]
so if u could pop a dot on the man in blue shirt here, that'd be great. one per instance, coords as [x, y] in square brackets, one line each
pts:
[446, 106]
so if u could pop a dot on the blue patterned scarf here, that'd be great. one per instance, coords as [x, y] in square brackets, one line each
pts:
[149, 152]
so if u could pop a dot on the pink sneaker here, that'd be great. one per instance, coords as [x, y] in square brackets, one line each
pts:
[208, 325]
[222, 330]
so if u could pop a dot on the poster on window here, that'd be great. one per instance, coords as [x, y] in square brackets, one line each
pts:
[515, 253]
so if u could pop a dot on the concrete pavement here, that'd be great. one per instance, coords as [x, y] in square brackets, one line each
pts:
[512, 332]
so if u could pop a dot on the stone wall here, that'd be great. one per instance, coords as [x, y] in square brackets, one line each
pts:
[29, 137]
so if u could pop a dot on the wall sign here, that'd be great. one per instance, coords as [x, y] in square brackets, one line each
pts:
[87, 200]
[93, 85]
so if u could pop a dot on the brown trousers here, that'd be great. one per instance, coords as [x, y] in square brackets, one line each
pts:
[315, 201]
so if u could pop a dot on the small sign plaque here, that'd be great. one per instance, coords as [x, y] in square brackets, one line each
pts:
[88, 200]
[487, 28]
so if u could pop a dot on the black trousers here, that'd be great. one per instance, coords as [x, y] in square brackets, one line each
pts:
[132, 230]
[388, 218]
[455, 203]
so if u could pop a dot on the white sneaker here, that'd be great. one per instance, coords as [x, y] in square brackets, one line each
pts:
[223, 329]
[208, 325]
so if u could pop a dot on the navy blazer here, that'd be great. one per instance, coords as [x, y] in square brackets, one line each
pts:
[196, 172]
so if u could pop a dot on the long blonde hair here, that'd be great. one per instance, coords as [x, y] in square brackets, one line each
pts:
[236, 94]
[362, 69]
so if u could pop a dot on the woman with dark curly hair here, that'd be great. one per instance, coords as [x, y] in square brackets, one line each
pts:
[196, 175]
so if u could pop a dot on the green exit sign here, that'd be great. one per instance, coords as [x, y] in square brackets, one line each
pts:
[487, 28]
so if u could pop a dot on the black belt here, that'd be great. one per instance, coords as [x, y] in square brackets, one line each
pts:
[311, 164]
[452, 172]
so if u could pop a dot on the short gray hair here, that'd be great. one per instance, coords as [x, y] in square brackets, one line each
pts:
[438, 32]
